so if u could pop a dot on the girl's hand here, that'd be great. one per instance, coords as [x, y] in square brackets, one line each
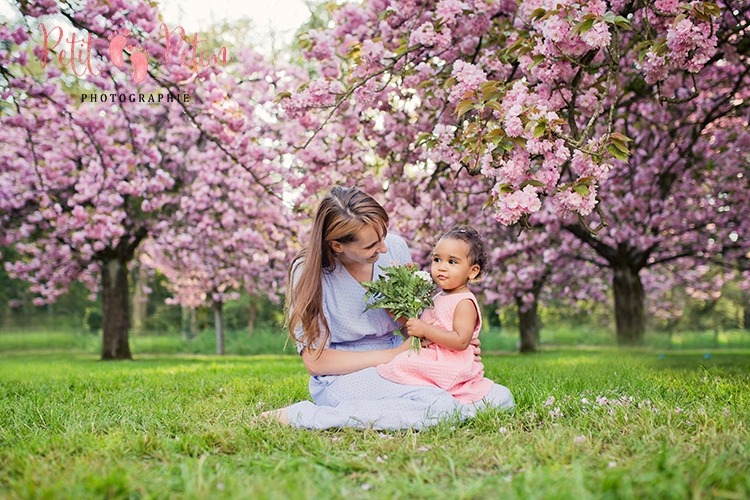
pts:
[476, 343]
[416, 327]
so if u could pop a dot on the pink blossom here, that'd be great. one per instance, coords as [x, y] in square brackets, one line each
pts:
[447, 10]
[655, 67]
[569, 200]
[513, 126]
[424, 35]
[598, 36]
[511, 206]
[321, 45]
[469, 77]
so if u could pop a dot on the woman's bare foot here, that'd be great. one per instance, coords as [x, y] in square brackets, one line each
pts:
[278, 415]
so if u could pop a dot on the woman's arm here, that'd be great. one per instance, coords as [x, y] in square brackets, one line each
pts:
[334, 362]
[464, 322]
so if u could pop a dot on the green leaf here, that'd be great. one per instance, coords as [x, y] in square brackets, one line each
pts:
[490, 201]
[493, 96]
[582, 190]
[643, 45]
[538, 13]
[549, 14]
[539, 130]
[660, 47]
[354, 49]
[422, 138]
[463, 108]
[712, 9]
[622, 23]
[490, 85]
[621, 146]
[620, 137]
[516, 45]
[495, 105]
[583, 26]
[614, 151]
[402, 49]
[537, 59]
[531, 182]
[507, 145]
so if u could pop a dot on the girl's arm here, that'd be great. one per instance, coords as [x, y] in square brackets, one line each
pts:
[334, 362]
[458, 339]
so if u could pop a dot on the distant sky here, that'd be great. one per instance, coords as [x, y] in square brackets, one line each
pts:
[281, 16]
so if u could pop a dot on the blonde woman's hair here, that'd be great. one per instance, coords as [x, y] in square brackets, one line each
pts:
[339, 217]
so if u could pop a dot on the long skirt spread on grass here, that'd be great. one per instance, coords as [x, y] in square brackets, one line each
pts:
[364, 399]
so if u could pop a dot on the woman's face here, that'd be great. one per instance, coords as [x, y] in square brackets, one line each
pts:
[365, 249]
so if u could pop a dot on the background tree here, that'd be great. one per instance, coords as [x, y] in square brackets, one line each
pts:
[79, 212]
[227, 235]
[548, 99]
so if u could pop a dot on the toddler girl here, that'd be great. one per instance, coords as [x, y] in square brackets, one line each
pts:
[448, 361]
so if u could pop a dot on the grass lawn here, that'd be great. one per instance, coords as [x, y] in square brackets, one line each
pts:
[594, 423]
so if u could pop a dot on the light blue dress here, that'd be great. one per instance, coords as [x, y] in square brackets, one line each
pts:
[364, 398]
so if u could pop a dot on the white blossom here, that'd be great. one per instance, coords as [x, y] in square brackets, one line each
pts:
[424, 275]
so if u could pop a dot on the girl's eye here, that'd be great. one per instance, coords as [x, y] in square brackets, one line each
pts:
[452, 261]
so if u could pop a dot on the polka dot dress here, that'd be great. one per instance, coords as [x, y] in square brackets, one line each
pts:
[364, 398]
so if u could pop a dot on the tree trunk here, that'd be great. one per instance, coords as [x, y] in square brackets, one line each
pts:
[630, 316]
[251, 317]
[140, 300]
[193, 322]
[219, 323]
[528, 326]
[115, 309]
[188, 319]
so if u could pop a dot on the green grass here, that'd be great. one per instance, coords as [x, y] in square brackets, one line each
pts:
[179, 426]
[263, 341]
[269, 340]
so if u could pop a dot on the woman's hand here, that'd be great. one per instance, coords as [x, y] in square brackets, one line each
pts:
[335, 362]
[401, 348]
[476, 343]
[401, 320]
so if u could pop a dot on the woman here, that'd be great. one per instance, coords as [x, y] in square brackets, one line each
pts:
[341, 343]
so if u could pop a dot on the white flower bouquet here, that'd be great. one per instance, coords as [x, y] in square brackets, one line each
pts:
[403, 290]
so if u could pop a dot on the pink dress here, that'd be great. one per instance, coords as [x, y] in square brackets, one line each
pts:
[454, 371]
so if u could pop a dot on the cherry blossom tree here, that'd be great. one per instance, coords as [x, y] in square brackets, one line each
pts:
[85, 177]
[601, 109]
[227, 234]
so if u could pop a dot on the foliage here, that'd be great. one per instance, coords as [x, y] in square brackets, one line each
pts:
[403, 290]
[626, 122]
[595, 424]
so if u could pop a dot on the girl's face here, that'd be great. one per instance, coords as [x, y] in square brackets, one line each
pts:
[366, 249]
[451, 267]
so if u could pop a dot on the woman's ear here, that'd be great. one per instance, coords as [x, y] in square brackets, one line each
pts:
[336, 247]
